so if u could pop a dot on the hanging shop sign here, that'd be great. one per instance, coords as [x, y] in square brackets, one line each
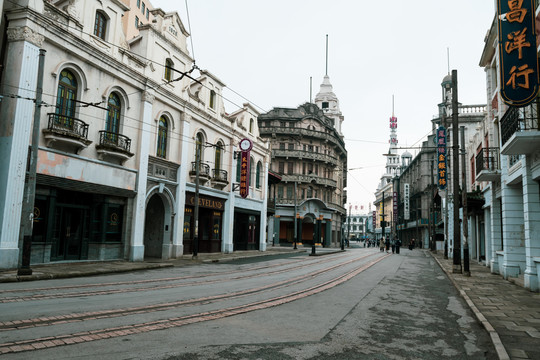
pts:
[395, 203]
[374, 219]
[442, 173]
[517, 48]
[245, 146]
[406, 210]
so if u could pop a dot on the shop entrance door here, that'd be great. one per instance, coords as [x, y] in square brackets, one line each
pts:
[70, 231]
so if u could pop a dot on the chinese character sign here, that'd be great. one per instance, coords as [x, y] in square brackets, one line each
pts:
[374, 219]
[406, 212]
[395, 203]
[517, 50]
[442, 175]
[244, 174]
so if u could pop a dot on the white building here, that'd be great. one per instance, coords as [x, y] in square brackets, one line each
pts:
[124, 115]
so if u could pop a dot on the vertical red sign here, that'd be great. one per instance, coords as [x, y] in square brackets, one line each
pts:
[244, 174]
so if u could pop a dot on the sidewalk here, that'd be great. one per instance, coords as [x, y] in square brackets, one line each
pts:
[62, 270]
[510, 313]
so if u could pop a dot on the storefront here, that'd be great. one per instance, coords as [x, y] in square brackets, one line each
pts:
[210, 223]
[74, 225]
[246, 229]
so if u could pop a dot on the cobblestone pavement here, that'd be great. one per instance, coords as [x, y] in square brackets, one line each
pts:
[510, 313]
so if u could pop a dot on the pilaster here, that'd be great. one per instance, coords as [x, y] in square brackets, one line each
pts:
[16, 122]
[531, 213]
[137, 240]
[178, 238]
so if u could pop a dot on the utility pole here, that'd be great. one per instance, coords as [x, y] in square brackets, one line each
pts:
[455, 164]
[466, 270]
[30, 191]
[198, 150]
[383, 223]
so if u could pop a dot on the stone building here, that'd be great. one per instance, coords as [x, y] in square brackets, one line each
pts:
[126, 120]
[308, 152]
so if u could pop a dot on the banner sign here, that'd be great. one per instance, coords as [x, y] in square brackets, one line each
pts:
[517, 50]
[374, 220]
[245, 146]
[406, 210]
[395, 207]
[441, 158]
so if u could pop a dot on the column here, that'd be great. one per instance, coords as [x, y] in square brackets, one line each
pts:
[276, 229]
[531, 211]
[264, 211]
[178, 237]
[15, 126]
[136, 252]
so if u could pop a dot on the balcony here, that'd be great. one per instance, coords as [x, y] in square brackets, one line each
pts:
[520, 132]
[219, 178]
[300, 154]
[488, 166]
[204, 172]
[302, 133]
[66, 133]
[310, 179]
[113, 147]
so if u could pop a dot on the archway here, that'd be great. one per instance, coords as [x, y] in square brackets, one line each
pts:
[154, 227]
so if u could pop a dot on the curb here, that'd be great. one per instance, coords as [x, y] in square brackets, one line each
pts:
[495, 339]
[327, 253]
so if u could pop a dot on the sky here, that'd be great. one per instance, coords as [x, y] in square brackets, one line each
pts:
[383, 57]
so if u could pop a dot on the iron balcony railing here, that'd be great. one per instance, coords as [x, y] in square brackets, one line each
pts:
[111, 139]
[68, 125]
[487, 160]
[204, 169]
[519, 119]
[219, 175]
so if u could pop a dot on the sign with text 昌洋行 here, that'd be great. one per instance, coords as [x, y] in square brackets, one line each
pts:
[442, 174]
[517, 50]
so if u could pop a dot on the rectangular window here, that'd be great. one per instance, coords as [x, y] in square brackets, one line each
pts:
[143, 9]
[289, 192]
[290, 168]
[291, 124]
[147, 13]
[137, 22]
[281, 146]
[291, 146]
[280, 191]
[281, 167]
[139, 4]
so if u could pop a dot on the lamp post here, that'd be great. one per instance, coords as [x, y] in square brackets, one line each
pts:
[466, 270]
[295, 219]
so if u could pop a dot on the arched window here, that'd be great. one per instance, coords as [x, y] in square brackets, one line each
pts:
[250, 126]
[169, 68]
[217, 160]
[100, 26]
[65, 97]
[112, 122]
[162, 138]
[199, 148]
[258, 175]
[212, 99]
[250, 171]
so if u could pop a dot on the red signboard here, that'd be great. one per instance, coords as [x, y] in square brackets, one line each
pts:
[245, 146]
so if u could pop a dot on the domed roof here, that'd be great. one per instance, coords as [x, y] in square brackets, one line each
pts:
[406, 154]
[447, 79]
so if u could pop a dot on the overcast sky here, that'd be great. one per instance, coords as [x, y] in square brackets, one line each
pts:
[268, 50]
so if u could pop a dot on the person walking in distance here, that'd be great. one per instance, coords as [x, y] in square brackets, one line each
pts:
[381, 244]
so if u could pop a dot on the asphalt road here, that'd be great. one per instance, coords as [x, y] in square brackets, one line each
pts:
[360, 304]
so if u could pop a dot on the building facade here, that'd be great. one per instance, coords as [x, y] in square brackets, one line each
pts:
[126, 122]
[308, 152]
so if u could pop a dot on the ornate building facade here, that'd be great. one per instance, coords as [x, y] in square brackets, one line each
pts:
[309, 154]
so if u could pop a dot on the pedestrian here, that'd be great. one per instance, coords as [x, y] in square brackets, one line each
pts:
[381, 244]
[387, 245]
[398, 245]
[393, 244]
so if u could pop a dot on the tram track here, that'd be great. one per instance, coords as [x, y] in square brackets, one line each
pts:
[62, 319]
[162, 324]
[198, 281]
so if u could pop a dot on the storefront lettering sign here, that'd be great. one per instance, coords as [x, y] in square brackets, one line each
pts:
[205, 202]
[517, 49]
[442, 174]
[406, 211]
